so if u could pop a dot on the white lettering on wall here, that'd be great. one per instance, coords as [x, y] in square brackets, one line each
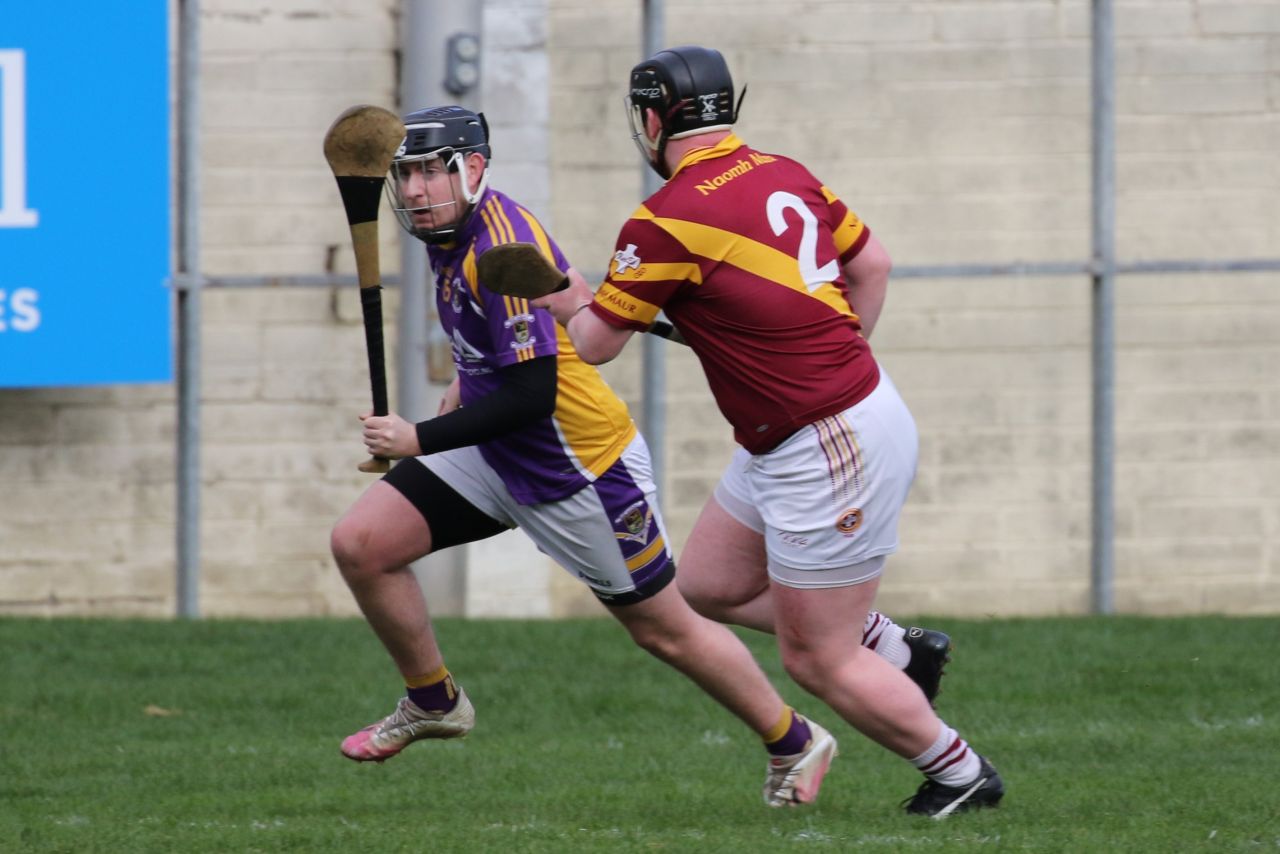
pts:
[13, 143]
[18, 310]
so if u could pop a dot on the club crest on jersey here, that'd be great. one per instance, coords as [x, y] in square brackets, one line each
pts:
[519, 326]
[633, 524]
[626, 259]
[849, 521]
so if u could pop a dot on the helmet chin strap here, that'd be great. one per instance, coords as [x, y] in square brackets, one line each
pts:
[657, 149]
[458, 163]
[659, 162]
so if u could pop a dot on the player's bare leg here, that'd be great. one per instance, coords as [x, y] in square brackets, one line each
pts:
[718, 662]
[826, 658]
[705, 651]
[373, 544]
[720, 575]
[722, 571]
[821, 649]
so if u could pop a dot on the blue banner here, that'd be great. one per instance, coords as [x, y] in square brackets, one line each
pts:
[84, 194]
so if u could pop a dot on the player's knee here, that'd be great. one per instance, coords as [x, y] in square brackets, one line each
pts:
[655, 639]
[664, 634]
[806, 666]
[350, 544]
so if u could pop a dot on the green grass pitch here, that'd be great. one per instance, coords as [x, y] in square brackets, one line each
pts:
[1120, 734]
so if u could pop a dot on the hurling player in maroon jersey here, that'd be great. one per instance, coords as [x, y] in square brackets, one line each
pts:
[776, 285]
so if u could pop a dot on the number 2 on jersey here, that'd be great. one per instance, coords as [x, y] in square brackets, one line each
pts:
[813, 275]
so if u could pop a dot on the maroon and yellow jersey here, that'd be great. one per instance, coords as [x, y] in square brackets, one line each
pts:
[743, 251]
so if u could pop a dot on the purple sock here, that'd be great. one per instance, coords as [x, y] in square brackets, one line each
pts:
[439, 696]
[794, 741]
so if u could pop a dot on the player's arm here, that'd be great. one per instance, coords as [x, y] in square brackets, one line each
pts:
[595, 340]
[527, 394]
[867, 274]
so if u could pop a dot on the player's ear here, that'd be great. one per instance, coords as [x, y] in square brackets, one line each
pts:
[652, 123]
[475, 164]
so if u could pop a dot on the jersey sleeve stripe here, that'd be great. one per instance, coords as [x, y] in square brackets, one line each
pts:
[685, 271]
[495, 237]
[499, 226]
[500, 217]
[626, 306]
[469, 273]
[851, 233]
[864, 234]
[515, 305]
[539, 234]
[848, 232]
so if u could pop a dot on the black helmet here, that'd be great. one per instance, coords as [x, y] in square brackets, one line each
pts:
[457, 128]
[446, 134]
[690, 89]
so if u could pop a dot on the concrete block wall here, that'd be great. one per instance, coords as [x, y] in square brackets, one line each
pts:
[959, 131]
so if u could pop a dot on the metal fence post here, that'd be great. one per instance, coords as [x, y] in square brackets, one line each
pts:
[188, 311]
[1104, 279]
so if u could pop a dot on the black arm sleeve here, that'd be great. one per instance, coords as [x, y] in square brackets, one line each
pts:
[527, 394]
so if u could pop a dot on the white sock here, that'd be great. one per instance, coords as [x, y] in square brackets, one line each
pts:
[950, 761]
[884, 637]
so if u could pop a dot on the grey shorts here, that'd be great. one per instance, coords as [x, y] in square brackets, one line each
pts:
[609, 533]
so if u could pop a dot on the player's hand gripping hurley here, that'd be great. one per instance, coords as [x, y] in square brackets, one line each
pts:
[521, 270]
[359, 147]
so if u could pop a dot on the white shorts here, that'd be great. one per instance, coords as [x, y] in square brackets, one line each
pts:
[827, 499]
[609, 533]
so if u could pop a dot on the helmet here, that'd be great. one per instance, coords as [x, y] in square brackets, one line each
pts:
[690, 89]
[442, 136]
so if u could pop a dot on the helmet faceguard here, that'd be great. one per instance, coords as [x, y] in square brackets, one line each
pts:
[691, 91]
[437, 141]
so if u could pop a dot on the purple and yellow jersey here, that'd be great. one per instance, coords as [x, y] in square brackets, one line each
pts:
[590, 427]
[744, 250]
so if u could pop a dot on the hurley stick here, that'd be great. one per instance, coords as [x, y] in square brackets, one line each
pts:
[359, 147]
[521, 270]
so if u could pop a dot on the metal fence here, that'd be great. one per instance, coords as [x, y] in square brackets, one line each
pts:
[1101, 267]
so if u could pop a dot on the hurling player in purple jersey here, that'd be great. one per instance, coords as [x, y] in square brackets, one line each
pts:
[527, 436]
[776, 285]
